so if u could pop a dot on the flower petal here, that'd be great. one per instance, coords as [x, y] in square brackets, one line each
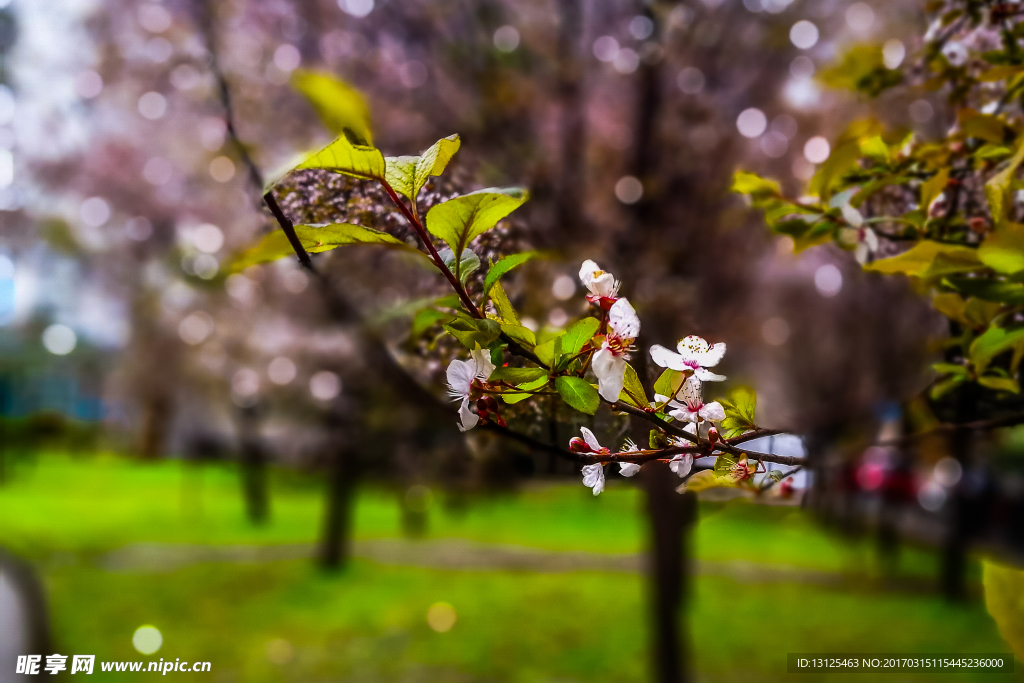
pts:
[713, 412]
[707, 376]
[871, 239]
[666, 358]
[623, 320]
[589, 437]
[712, 356]
[593, 477]
[468, 418]
[628, 469]
[484, 366]
[681, 464]
[684, 415]
[460, 377]
[690, 347]
[610, 370]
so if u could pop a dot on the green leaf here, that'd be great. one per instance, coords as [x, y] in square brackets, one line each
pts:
[950, 369]
[669, 383]
[706, 479]
[933, 187]
[1004, 597]
[546, 352]
[928, 258]
[408, 174]
[997, 188]
[842, 159]
[473, 332]
[467, 265]
[426, 319]
[986, 127]
[874, 148]
[578, 393]
[578, 334]
[739, 412]
[316, 239]
[532, 385]
[1003, 248]
[517, 376]
[993, 342]
[458, 221]
[348, 156]
[449, 301]
[503, 266]
[744, 182]
[632, 387]
[506, 311]
[988, 289]
[339, 106]
[940, 389]
[1000, 384]
[521, 335]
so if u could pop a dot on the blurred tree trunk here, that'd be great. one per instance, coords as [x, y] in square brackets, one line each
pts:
[156, 422]
[953, 573]
[672, 516]
[254, 467]
[336, 541]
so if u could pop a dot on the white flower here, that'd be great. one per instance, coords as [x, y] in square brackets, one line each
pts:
[461, 374]
[694, 355]
[602, 285]
[867, 240]
[484, 366]
[628, 469]
[852, 215]
[593, 476]
[955, 53]
[681, 464]
[867, 244]
[689, 404]
[610, 360]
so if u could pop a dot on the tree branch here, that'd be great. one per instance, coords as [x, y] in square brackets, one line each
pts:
[289, 230]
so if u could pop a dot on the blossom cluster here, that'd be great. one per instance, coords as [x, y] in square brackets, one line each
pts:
[468, 379]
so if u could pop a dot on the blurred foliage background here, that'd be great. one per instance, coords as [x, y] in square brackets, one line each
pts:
[263, 465]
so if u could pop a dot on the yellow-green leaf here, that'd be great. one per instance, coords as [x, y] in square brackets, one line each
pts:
[348, 157]
[739, 412]
[933, 187]
[506, 311]
[521, 335]
[997, 188]
[340, 106]
[458, 221]
[632, 389]
[994, 341]
[1004, 597]
[928, 258]
[706, 479]
[534, 385]
[316, 239]
[408, 174]
[1003, 248]
[983, 126]
[1000, 383]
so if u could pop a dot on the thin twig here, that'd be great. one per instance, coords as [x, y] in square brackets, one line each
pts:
[289, 230]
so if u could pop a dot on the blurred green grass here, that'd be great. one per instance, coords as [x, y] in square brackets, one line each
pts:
[368, 623]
